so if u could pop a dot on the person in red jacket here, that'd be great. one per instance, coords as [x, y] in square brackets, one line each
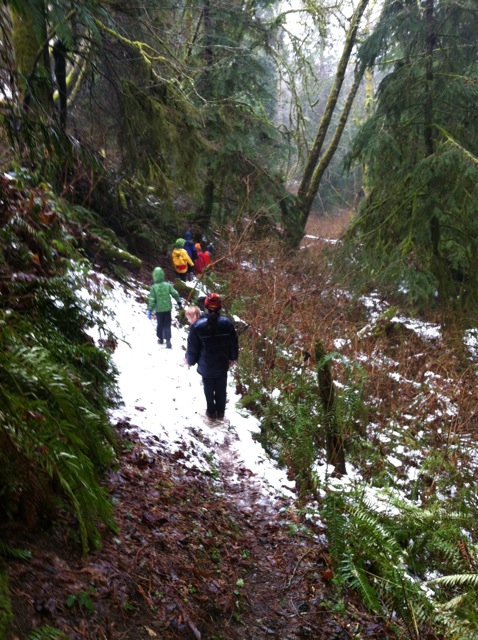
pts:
[207, 255]
[199, 263]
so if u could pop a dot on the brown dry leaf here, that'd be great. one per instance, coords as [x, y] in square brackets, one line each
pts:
[47, 217]
[328, 574]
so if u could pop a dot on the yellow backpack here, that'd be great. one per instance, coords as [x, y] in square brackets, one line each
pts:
[179, 261]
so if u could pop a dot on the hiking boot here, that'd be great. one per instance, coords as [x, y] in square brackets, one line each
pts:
[160, 341]
[211, 416]
[168, 344]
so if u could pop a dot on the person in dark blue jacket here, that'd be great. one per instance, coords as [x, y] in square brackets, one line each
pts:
[213, 346]
[192, 252]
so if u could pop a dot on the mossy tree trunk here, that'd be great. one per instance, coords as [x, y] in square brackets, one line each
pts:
[316, 165]
[209, 186]
[326, 157]
[334, 440]
[32, 60]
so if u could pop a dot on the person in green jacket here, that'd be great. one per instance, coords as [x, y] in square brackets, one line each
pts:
[160, 296]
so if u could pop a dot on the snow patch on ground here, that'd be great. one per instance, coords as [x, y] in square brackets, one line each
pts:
[164, 398]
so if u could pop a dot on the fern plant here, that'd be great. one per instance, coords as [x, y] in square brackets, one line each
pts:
[458, 614]
[46, 632]
[294, 422]
[55, 384]
[369, 559]
[386, 547]
[6, 551]
[6, 614]
[53, 437]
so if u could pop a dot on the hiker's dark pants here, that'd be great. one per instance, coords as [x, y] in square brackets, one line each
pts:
[190, 273]
[163, 326]
[215, 392]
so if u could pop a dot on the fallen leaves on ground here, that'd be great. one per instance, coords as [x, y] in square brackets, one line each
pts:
[196, 557]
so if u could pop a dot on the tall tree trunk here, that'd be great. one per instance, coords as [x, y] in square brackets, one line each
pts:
[333, 437]
[305, 192]
[428, 109]
[209, 186]
[59, 57]
[368, 103]
[308, 199]
[32, 61]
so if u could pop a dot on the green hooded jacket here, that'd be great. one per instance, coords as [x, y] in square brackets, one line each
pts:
[161, 292]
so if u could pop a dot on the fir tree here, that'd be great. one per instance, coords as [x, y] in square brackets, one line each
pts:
[417, 229]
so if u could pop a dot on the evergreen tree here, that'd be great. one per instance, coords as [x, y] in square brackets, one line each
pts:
[235, 88]
[417, 231]
[180, 99]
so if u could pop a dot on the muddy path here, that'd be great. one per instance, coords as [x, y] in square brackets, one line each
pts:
[196, 555]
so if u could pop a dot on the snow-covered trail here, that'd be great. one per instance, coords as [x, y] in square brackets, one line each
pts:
[162, 397]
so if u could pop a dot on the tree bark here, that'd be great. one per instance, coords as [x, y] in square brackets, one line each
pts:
[32, 61]
[309, 186]
[209, 186]
[307, 201]
[428, 110]
[333, 438]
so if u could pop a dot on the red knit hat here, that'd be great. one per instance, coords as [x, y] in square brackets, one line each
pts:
[213, 302]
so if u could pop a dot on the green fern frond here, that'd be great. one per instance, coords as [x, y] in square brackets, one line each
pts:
[358, 579]
[12, 552]
[47, 633]
[457, 580]
[453, 604]
[369, 557]
[52, 428]
[378, 535]
[337, 526]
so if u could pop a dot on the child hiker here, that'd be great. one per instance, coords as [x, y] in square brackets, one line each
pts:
[180, 258]
[213, 346]
[190, 247]
[192, 314]
[160, 296]
[200, 262]
[207, 255]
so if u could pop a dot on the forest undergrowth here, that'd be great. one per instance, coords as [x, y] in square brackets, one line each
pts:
[400, 522]
[400, 561]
